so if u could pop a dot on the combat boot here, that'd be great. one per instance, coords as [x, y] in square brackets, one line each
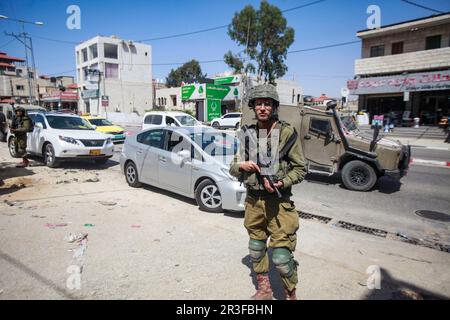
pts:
[264, 291]
[290, 295]
[24, 163]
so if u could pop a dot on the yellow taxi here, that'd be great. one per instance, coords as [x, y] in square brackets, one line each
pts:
[105, 126]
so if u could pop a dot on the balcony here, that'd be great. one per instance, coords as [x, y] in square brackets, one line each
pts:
[409, 62]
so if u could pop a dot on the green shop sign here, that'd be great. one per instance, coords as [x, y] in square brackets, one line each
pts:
[214, 108]
[204, 91]
[227, 80]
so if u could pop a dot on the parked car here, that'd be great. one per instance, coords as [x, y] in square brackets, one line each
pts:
[156, 119]
[191, 161]
[105, 126]
[59, 136]
[229, 120]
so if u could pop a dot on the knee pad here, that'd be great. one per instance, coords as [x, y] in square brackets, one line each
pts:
[257, 249]
[284, 261]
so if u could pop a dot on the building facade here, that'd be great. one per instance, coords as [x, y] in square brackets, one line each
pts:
[404, 70]
[114, 75]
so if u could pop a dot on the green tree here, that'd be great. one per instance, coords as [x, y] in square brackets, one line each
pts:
[189, 72]
[266, 37]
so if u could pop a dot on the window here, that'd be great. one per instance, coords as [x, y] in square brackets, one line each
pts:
[152, 138]
[171, 121]
[319, 126]
[85, 54]
[93, 51]
[20, 87]
[40, 119]
[85, 73]
[433, 42]
[177, 142]
[174, 100]
[110, 51]
[397, 47]
[377, 51]
[153, 119]
[111, 71]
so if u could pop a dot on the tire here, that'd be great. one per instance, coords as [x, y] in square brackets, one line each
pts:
[215, 125]
[12, 147]
[131, 175]
[208, 196]
[237, 126]
[359, 176]
[101, 160]
[49, 156]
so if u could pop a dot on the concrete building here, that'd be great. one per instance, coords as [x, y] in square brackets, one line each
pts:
[125, 78]
[404, 70]
[14, 87]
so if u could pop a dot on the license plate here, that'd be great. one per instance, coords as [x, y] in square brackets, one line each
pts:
[95, 152]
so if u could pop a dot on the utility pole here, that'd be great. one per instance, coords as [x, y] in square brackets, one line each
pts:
[28, 43]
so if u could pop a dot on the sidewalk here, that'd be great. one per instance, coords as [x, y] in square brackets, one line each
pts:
[423, 143]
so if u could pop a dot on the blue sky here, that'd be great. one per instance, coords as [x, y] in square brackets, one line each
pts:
[325, 23]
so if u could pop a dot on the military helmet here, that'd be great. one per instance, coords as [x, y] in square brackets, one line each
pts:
[19, 108]
[263, 91]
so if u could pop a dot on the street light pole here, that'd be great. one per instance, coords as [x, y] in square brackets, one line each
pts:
[28, 48]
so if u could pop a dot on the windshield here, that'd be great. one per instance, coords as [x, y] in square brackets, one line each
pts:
[100, 122]
[187, 121]
[68, 123]
[348, 122]
[216, 143]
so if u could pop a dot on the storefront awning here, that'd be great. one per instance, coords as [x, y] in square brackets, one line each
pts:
[424, 81]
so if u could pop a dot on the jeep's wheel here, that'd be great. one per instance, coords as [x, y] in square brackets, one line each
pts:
[49, 156]
[215, 125]
[358, 176]
[131, 175]
[12, 147]
[208, 196]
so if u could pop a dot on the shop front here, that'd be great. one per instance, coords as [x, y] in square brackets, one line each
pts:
[423, 95]
[61, 101]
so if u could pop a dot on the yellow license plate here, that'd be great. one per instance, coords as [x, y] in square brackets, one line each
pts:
[94, 152]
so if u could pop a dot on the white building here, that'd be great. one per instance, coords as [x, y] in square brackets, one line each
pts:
[125, 78]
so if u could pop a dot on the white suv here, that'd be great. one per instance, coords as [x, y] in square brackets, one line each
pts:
[59, 136]
[157, 119]
[229, 120]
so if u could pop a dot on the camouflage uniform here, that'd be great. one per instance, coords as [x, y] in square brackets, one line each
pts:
[22, 126]
[266, 215]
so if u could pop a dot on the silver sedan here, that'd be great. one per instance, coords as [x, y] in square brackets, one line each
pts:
[193, 162]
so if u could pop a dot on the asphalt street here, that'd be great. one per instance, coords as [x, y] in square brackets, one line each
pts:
[390, 206]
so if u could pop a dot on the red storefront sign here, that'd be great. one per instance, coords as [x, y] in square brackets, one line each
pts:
[72, 96]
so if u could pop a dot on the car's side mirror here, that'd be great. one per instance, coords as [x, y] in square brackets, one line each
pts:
[182, 157]
[39, 125]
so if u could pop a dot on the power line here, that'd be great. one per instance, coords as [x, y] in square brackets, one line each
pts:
[421, 6]
[54, 40]
[325, 47]
[303, 6]
[6, 44]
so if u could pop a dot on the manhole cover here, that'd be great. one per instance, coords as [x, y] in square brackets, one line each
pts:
[433, 215]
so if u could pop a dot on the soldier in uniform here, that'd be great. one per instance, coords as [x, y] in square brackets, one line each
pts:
[21, 124]
[267, 213]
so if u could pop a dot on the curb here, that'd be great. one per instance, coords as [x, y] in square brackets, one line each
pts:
[430, 163]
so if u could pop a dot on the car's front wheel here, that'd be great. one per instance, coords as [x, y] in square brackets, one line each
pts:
[208, 196]
[359, 176]
[131, 175]
[13, 148]
[50, 157]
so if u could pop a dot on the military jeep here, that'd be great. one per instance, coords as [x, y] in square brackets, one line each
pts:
[332, 144]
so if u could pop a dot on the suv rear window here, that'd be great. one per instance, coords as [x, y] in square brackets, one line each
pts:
[153, 119]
